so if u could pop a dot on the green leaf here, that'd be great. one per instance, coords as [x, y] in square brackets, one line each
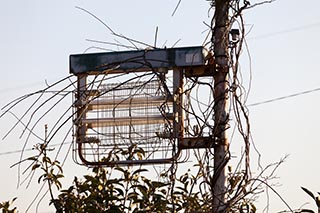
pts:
[182, 189]
[60, 168]
[34, 158]
[143, 190]
[307, 210]
[163, 191]
[120, 191]
[318, 201]
[157, 184]
[133, 196]
[139, 171]
[140, 156]
[39, 179]
[120, 169]
[89, 178]
[308, 192]
[253, 208]
[183, 178]
[58, 185]
[35, 166]
[59, 176]
[46, 159]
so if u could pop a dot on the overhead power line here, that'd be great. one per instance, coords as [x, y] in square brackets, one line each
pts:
[284, 97]
[31, 149]
[285, 31]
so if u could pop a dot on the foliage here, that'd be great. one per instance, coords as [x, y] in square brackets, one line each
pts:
[51, 170]
[97, 193]
[128, 189]
[6, 206]
[314, 197]
[132, 192]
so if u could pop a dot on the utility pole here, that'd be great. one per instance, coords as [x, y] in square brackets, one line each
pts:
[220, 39]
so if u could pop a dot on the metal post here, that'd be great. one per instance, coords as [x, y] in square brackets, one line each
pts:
[178, 126]
[81, 114]
[221, 87]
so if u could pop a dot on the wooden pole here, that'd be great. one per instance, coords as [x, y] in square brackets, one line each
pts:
[221, 87]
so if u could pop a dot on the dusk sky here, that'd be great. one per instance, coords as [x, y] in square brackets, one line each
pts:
[37, 38]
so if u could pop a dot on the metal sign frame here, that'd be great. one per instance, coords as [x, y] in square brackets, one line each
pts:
[187, 61]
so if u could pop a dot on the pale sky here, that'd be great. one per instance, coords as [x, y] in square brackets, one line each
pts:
[37, 37]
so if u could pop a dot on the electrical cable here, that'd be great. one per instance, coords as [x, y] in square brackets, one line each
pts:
[286, 31]
[284, 97]
[31, 149]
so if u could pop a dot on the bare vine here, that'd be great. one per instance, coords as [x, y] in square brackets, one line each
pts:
[242, 189]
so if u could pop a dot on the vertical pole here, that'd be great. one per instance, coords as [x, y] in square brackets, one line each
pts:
[178, 125]
[221, 87]
[81, 114]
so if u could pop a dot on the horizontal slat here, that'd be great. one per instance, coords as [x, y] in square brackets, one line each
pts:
[126, 121]
[124, 103]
